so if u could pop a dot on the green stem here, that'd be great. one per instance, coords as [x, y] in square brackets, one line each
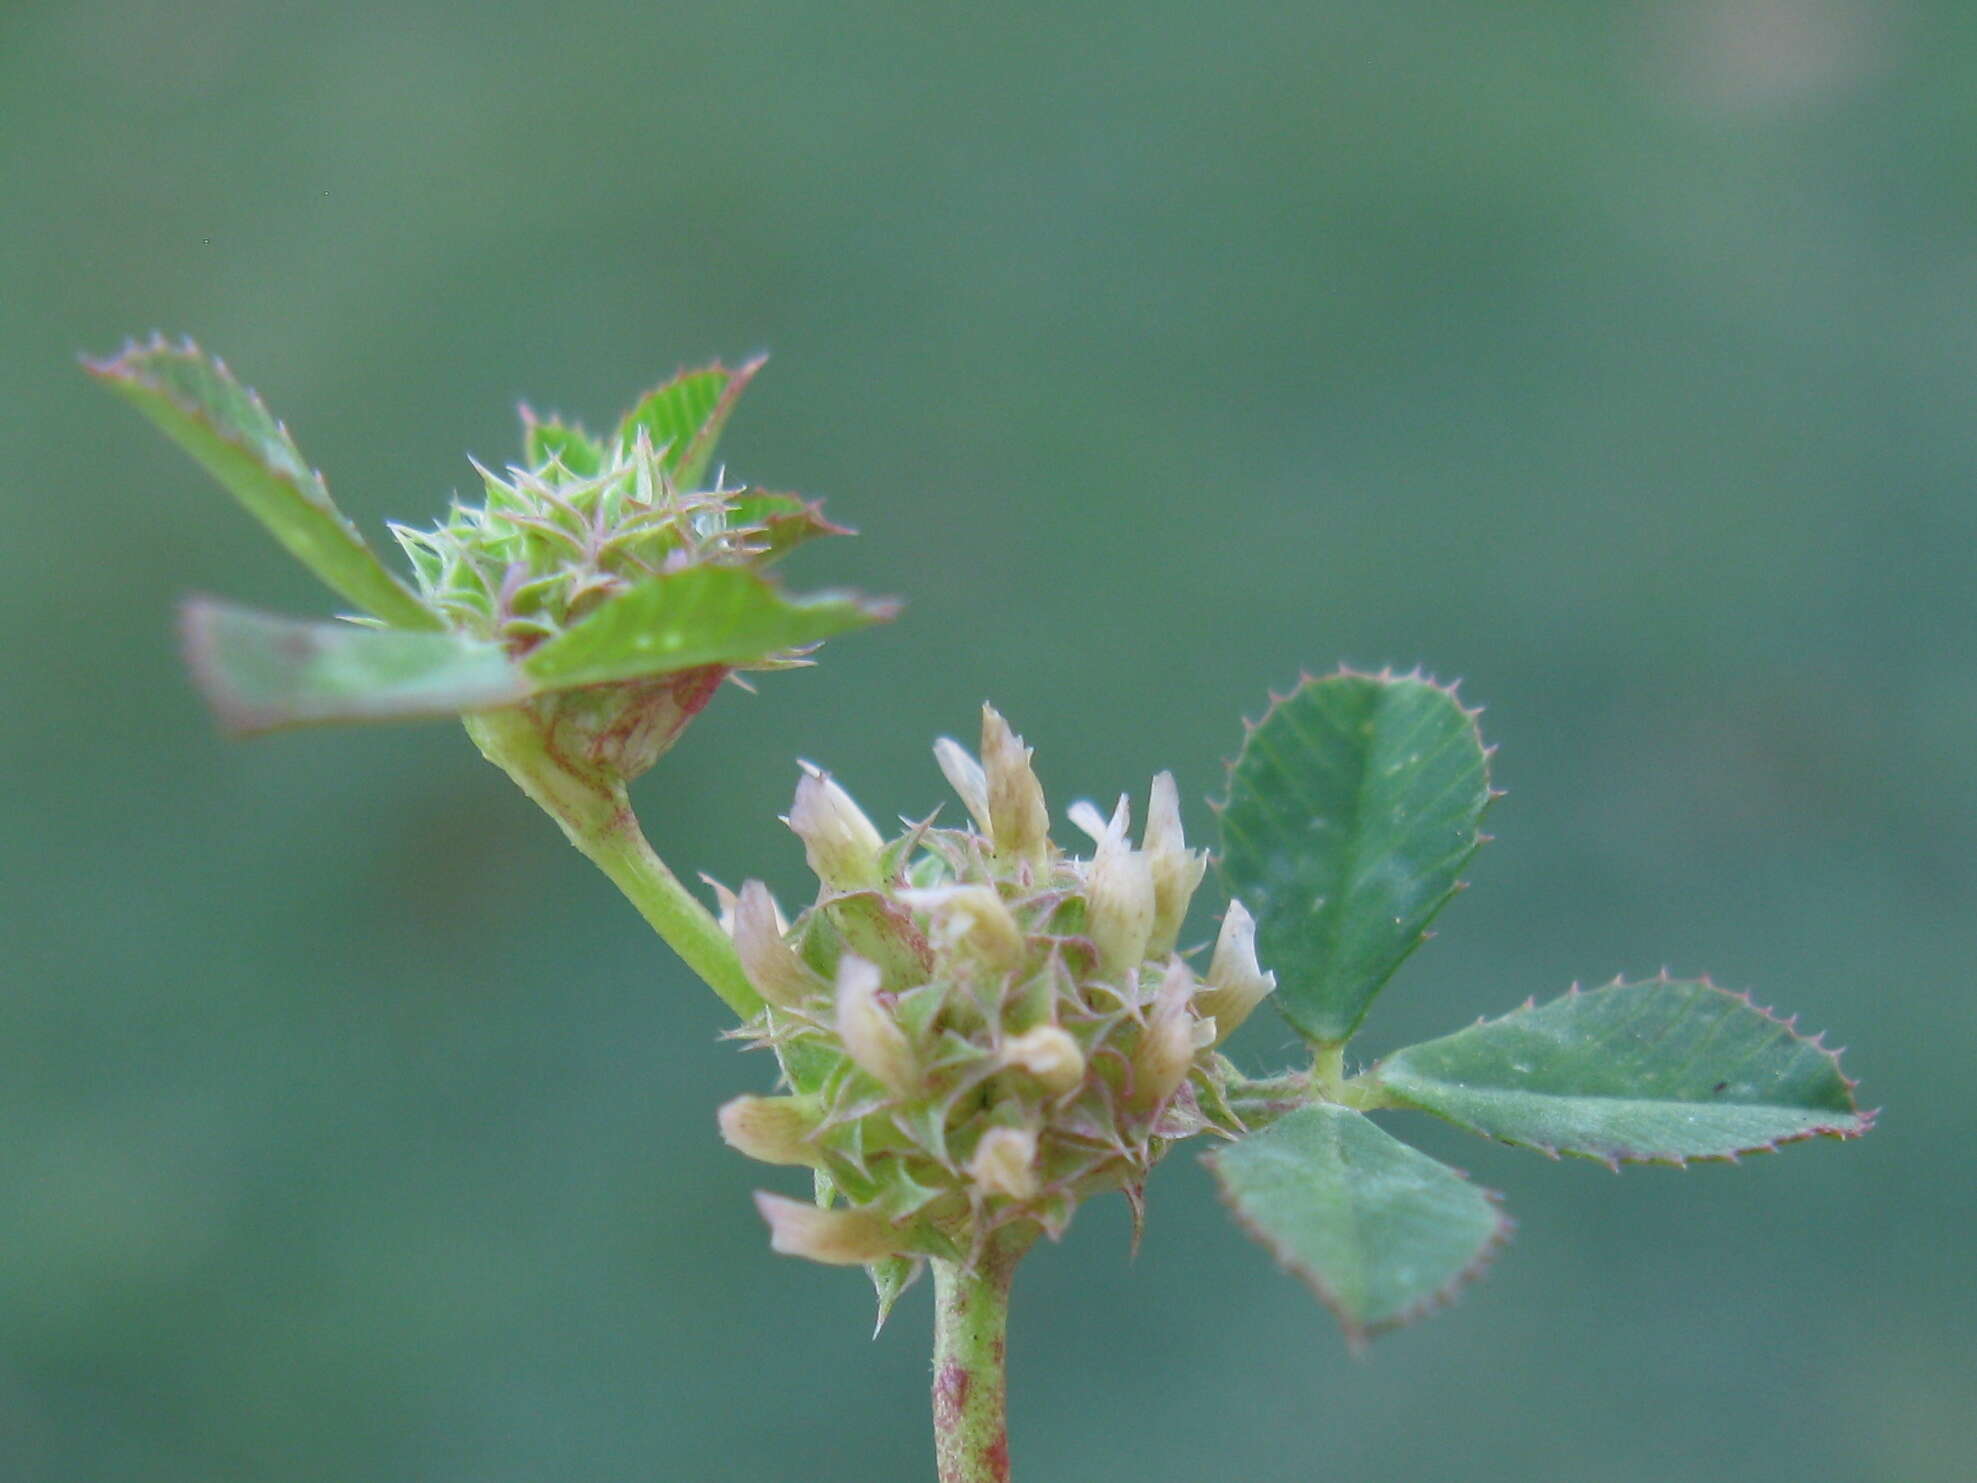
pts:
[597, 817]
[1328, 1069]
[971, 1391]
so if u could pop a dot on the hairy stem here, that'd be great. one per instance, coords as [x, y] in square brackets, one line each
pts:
[971, 1391]
[597, 817]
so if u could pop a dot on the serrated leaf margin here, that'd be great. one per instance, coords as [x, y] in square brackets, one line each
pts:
[1866, 1116]
[1359, 1335]
[1386, 675]
[369, 584]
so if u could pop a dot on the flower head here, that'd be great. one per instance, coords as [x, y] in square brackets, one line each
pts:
[987, 1028]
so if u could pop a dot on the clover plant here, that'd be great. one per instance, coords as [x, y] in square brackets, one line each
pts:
[977, 1028]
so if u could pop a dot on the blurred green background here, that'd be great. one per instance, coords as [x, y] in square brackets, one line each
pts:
[1620, 360]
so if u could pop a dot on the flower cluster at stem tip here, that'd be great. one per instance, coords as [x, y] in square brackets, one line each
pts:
[976, 1029]
[555, 541]
[588, 522]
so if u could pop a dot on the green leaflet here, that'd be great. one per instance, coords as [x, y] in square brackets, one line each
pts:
[199, 405]
[1380, 1231]
[685, 417]
[704, 615]
[564, 442]
[1351, 812]
[261, 673]
[785, 521]
[1662, 1071]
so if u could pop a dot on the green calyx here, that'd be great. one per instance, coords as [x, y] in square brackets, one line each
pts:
[977, 1029]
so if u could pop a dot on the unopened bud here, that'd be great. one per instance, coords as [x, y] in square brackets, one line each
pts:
[1167, 1045]
[1119, 900]
[842, 1238]
[1018, 820]
[871, 1035]
[775, 1130]
[973, 920]
[1049, 1054]
[1236, 984]
[965, 776]
[838, 840]
[770, 963]
[1005, 1163]
[1177, 870]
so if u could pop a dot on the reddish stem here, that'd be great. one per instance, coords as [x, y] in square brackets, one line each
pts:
[971, 1391]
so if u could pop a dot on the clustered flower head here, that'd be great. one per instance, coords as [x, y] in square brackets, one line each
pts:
[589, 520]
[586, 521]
[977, 1029]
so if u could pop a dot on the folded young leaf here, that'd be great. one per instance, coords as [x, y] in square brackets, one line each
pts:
[685, 417]
[703, 615]
[198, 404]
[1352, 809]
[1380, 1231]
[1662, 1071]
[261, 673]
